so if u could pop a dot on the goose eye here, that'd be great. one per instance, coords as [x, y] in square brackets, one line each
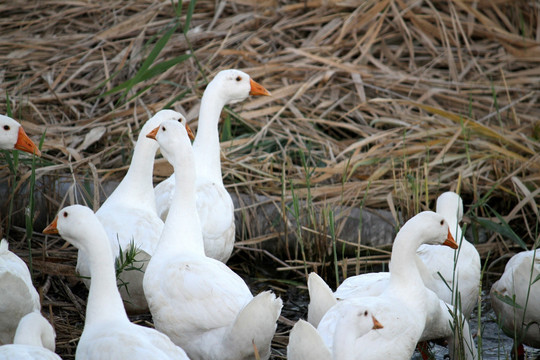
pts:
[163, 128]
[365, 313]
[442, 222]
[65, 214]
[6, 127]
[238, 78]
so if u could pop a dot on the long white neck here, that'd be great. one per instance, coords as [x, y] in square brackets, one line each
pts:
[206, 145]
[136, 188]
[182, 231]
[405, 276]
[104, 301]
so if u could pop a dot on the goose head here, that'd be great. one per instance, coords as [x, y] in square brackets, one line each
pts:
[234, 86]
[13, 136]
[428, 227]
[364, 321]
[173, 139]
[351, 326]
[166, 115]
[450, 205]
[74, 223]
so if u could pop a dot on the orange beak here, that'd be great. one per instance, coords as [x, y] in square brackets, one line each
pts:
[190, 133]
[257, 89]
[376, 323]
[25, 144]
[51, 229]
[152, 134]
[450, 241]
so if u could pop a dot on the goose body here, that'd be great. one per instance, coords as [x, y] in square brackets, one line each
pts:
[107, 333]
[305, 343]
[403, 307]
[214, 204]
[129, 216]
[18, 296]
[13, 137]
[34, 340]
[519, 322]
[209, 310]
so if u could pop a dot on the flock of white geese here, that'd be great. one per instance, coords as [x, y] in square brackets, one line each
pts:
[184, 231]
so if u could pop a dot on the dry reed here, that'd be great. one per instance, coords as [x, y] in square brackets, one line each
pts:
[382, 104]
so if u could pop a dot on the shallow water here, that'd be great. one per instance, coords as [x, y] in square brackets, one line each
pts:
[495, 344]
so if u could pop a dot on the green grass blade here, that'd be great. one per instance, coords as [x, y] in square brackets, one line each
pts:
[141, 74]
[498, 228]
[29, 214]
[9, 160]
[189, 14]
[331, 224]
[15, 166]
[162, 67]
[508, 300]
[176, 98]
[177, 8]
[160, 44]
[226, 130]
[501, 228]
[140, 92]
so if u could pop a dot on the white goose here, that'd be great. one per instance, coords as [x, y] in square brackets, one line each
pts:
[107, 332]
[13, 137]
[521, 322]
[34, 340]
[214, 204]
[460, 269]
[18, 295]
[406, 304]
[439, 319]
[305, 343]
[129, 215]
[201, 304]
[431, 261]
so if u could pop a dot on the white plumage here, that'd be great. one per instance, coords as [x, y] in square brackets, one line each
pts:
[518, 280]
[129, 215]
[305, 343]
[108, 333]
[405, 304]
[199, 302]
[214, 204]
[18, 296]
[34, 340]
[460, 270]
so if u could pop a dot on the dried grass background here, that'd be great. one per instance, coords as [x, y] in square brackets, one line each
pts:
[389, 102]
